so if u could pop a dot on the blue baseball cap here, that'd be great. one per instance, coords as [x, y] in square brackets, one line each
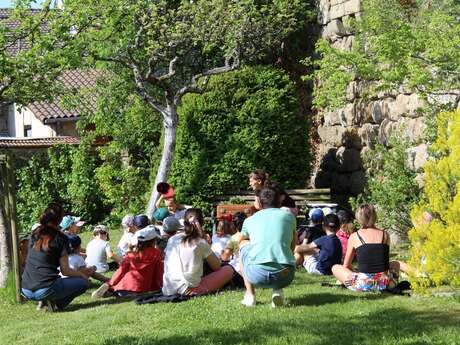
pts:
[316, 214]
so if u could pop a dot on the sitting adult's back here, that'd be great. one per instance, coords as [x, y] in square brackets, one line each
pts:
[371, 247]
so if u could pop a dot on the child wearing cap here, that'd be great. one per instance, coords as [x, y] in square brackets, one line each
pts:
[71, 224]
[171, 226]
[98, 251]
[324, 252]
[309, 233]
[77, 262]
[141, 270]
[127, 223]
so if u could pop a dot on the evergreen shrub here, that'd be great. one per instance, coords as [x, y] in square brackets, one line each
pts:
[247, 119]
[435, 237]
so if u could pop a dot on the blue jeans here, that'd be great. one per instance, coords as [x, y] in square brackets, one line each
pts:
[62, 292]
[259, 276]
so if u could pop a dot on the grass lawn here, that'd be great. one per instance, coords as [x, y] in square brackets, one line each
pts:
[313, 315]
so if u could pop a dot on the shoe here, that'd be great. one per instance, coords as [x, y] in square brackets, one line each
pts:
[99, 292]
[41, 306]
[277, 298]
[47, 306]
[249, 300]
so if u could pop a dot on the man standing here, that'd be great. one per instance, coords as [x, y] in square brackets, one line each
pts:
[266, 249]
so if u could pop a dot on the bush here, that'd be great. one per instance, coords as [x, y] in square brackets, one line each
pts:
[247, 119]
[391, 186]
[435, 238]
[64, 174]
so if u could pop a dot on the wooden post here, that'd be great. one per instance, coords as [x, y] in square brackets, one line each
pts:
[11, 190]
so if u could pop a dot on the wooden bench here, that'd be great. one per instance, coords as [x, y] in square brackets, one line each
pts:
[243, 201]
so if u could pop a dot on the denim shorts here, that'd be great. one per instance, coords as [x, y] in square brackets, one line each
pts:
[260, 276]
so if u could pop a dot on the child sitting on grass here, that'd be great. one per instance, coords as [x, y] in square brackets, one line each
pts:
[141, 270]
[324, 252]
[77, 262]
[221, 237]
[127, 223]
[231, 252]
[346, 229]
[98, 251]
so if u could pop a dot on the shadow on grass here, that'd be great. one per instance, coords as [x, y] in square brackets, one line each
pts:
[386, 325]
[96, 303]
[317, 299]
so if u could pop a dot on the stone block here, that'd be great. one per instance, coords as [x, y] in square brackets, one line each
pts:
[413, 128]
[337, 11]
[369, 134]
[351, 91]
[348, 160]
[417, 157]
[414, 104]
[386, 128]
[331, 135]
[352, 6]
[334, 29]
[328, 161]
[351, 139]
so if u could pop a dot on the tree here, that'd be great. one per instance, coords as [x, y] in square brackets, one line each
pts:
[29, 65]
[173, 47]
[409, 44]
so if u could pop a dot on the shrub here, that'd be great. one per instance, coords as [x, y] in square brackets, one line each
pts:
[247, 119]
[391, 186]
[435, 238]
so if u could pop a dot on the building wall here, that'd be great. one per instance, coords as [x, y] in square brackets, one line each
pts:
[14, 120]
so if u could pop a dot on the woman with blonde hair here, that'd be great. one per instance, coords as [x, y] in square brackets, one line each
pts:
[371, 246]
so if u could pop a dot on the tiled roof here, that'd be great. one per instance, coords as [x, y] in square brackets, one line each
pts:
[71, 80]
[26, 143]
[5, 14]
[36, 143]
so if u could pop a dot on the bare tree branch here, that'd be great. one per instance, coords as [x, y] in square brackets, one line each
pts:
[232, 62]
[142, 88]
[171, 71]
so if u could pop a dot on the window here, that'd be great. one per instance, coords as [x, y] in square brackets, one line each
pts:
[28, 131]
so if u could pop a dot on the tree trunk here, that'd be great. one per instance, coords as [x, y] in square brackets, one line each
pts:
[169, 148]
[4, 252]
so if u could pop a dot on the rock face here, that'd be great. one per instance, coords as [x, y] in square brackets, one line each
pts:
[347, 134]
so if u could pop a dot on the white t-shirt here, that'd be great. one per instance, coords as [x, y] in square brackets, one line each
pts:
[96, 254]
[76, 261]
[183, 264]
[125, 240]
[219, 244]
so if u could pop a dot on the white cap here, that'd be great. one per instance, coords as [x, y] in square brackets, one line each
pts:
[146, 234]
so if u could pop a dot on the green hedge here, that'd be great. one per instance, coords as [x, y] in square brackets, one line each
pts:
[247, 119]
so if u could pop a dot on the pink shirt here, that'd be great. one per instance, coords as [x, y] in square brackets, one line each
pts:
[343, 237]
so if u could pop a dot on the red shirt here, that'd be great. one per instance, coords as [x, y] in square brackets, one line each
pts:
[139, 272]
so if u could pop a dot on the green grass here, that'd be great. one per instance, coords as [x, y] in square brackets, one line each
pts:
[313, 315]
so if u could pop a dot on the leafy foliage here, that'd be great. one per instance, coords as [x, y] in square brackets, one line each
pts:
[397, 43]
[62, 174]
[435, 237]
[246, 120]
[391, 185]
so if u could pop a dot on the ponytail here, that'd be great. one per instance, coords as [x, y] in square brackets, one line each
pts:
[193, 225]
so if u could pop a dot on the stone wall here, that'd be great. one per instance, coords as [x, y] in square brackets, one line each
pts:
[347, 134]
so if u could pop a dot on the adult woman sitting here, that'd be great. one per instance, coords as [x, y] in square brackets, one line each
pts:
[48, 251]
[185, 254]
[257, 180]
[372, 249]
